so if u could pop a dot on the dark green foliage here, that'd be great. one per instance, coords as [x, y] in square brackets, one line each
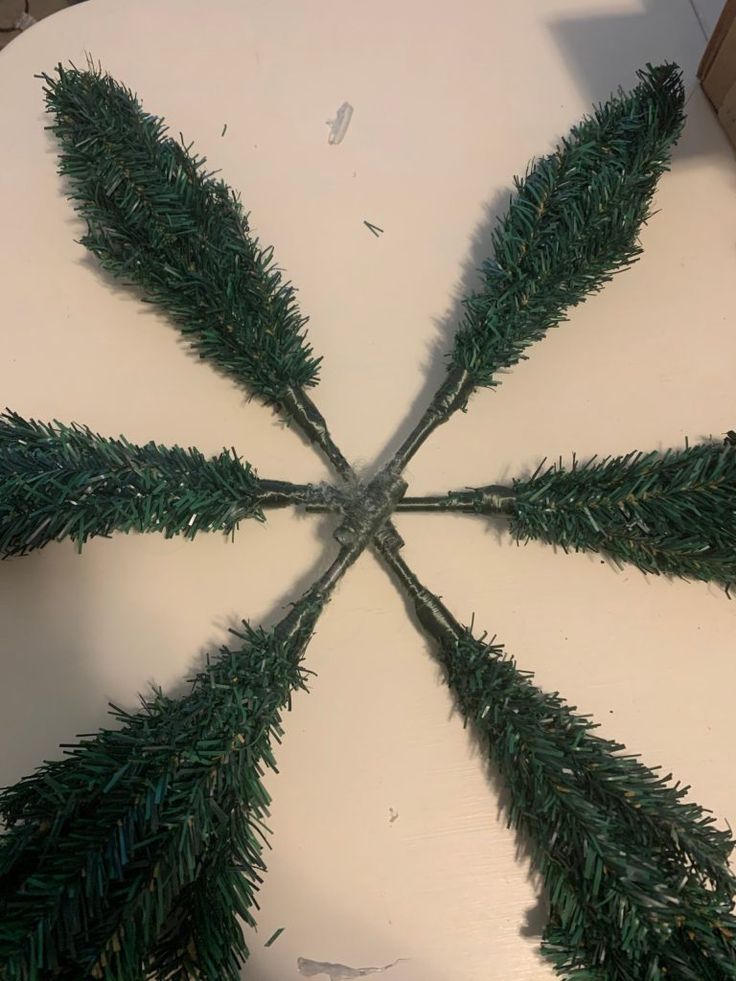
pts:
[202, 938]
[636, 876]
[140, 848]
[61, 482]
[572, 223]
[671, 513]
[157, 219]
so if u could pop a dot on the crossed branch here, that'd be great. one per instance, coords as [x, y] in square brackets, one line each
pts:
[135, 855]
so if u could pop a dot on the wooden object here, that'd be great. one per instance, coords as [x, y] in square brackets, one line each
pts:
[717, 71]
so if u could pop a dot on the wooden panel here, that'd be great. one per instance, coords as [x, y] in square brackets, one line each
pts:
[727, 113]
[728, 15]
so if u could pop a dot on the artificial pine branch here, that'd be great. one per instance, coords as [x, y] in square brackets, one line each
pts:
[672, 513]
[573, 222]
[637, 877]
[156, 218]
[102, 846]
[60, 482]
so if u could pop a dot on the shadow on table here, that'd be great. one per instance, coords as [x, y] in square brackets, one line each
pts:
[53, 692]
[604, 49]
[479, 249]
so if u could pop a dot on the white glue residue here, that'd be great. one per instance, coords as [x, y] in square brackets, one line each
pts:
[339, 125]
[338, 972]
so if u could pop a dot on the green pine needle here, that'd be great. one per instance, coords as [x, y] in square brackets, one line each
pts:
[59, 482]
[573, 222]
[157, 219]
[138, 850]
[672, 513]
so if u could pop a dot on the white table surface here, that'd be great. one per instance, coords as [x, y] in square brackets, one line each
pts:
[450, 101]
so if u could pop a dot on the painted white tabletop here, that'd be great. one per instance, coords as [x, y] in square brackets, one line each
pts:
[388, 842]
